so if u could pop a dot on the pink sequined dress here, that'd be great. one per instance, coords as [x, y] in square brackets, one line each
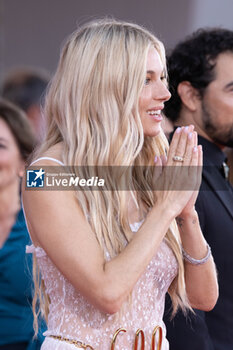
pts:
[72, 316]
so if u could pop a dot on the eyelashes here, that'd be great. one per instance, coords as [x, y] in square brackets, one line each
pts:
[147, 81]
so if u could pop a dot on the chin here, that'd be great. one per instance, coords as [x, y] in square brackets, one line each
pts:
[152, 133]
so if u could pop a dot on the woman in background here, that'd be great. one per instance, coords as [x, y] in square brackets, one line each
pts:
[13, 151]
[107, 258]
[16, 317]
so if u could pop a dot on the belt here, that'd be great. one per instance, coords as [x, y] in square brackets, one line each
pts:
[76, 343]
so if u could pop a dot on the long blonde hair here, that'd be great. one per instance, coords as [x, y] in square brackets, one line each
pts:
[92, 107]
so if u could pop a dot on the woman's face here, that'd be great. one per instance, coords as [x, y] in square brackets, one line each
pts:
[11, 162]
[153, 95]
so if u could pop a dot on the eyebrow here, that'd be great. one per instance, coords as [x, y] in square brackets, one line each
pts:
[153, 72]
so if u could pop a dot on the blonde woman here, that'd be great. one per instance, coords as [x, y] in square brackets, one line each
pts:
[107, 258]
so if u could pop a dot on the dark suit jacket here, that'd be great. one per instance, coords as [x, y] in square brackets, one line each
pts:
[211, 330]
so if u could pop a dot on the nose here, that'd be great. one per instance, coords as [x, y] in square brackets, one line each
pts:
[162, 93]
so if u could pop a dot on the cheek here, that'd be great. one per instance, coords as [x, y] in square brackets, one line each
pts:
[9, 161]
[5, 160]
[227, 104]
[144, 101]
[223, 111]
[220, 103]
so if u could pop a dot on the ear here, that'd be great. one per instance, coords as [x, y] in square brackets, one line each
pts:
[21, 168]
[188, 95]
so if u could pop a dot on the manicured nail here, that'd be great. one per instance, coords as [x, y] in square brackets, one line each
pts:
[190, 135]
[178, 130]
[156, 158]
[195, 149]
[186, 128]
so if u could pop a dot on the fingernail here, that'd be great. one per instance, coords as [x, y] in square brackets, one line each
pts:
[186, 128]
[190, 135]
[195, 149]
[156, 158]
[178, 130]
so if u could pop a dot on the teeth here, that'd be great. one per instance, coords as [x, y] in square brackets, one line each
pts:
[154, 112]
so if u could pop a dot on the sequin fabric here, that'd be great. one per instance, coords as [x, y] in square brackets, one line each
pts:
[72, 316]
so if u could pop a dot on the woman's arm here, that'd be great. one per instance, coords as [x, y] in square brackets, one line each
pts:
[57, 224]
[201, 280]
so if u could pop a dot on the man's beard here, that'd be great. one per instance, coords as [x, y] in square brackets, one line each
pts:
[222, 135]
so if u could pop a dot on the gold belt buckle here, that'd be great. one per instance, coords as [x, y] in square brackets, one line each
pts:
[141, 333]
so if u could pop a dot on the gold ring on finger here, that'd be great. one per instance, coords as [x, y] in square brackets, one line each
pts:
[178, 159]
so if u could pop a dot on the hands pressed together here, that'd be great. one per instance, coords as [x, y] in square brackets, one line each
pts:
[177, 176]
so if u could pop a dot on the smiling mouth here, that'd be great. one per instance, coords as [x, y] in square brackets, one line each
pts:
[155, 115]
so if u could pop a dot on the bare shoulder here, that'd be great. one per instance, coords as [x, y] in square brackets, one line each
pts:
[50, 214]
[45, 203]
[47, 158]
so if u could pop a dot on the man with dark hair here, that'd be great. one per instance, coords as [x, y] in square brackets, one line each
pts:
[26, 89]
[201, 82]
